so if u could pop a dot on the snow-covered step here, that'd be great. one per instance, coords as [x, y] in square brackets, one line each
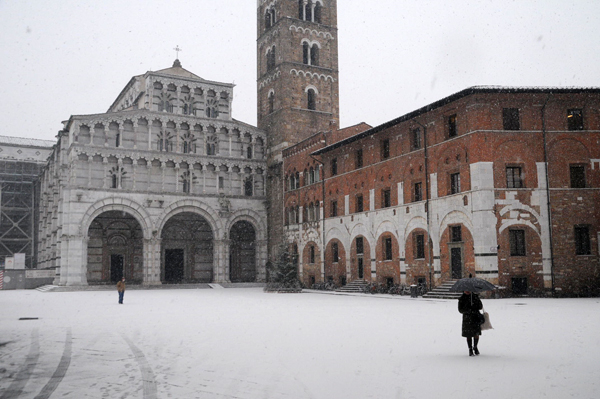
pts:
[46, 288]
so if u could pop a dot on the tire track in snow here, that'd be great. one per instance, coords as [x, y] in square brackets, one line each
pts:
[61, 370]
[16, 387]
[149, 382]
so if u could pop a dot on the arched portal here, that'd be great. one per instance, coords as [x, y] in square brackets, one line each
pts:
[115, 248]
[242, 256]
[187, 249]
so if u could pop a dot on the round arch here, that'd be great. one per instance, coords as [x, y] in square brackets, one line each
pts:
[117, 204]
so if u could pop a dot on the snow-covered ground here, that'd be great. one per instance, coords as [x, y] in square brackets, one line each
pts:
[243, 343]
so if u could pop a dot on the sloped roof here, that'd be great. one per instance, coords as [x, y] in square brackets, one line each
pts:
[22, 141]
[178, 70]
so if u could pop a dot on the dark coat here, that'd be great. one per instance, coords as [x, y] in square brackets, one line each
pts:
[469, 306]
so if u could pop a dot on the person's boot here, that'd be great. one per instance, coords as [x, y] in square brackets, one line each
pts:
[471, 352]
[470, 344]
[475, 350]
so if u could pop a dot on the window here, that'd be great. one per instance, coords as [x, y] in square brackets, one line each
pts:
[248, 186]
[387, 248]
[335, 253]
[186, 185]
[271, 102]
[419, 246]
[359, 158]
[359, 203]
[455, 233]
[582, 240]
[386, 198]
[360, 248]
[416, 139]
[118, 140]
[513, 177]
[221, 182]
[300, 9]
[334, 209]
[417, 192]
[314, 55]
[249, 152]
[271, 59]
[577, 176]
[334, 170]
[312, 254]
[210, 149]
[517, 242]
[575, 119]
[305, 53]
[385, 149]
[452, 126]
[510, 119]
[312, 100]
[455, 183]
[317, 13]
[115, 181]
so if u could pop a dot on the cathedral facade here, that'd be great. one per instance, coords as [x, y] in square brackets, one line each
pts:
[165, 187]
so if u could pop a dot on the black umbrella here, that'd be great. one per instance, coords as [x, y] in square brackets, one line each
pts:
[472, 284]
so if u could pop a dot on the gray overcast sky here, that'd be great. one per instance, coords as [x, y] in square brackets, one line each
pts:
[67, 57]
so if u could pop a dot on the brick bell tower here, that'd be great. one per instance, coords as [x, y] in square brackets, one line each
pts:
[297, 86]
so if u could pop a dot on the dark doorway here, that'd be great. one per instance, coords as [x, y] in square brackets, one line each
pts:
[116, 268]
[173, 265]
[456, 262]
[519, 286]
[361, 268]
[242, 255]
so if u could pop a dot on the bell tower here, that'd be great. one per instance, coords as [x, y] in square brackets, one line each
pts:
[297, 85]
[297, 70]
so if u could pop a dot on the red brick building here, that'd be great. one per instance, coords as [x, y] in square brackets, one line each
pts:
[455, 188]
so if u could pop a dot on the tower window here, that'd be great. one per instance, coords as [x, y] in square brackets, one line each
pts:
[359, 203]
[314, 55]
[575, 119]
[312, 100]
[386, 198]
[334, 209]
[452, 126]
[317, 13]
[510, 119]
[334, 170]
[417, 192]
[271, 102]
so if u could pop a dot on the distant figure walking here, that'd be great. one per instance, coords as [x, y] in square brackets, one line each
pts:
[469, 305]
[121, 289]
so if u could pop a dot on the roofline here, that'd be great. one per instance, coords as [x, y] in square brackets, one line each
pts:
[454, 97]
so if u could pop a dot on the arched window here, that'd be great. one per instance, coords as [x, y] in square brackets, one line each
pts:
[300, 9]
[118, 140]
[248, 186]
[314, 55]
[308, 12]
[297, 180]
[249, 152]
[305, 53]
[317, 13]
[312, 99]
[271, 59]
[271, 102]
[268, 23]
[115, 181]
[292, 182]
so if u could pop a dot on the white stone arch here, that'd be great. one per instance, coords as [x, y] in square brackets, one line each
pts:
[508, 223]
[517, 207]
[307, 88]
[456, 217]
[335, 233]
[192, 206]
[252, 217]
[117, 204]
[385, 226]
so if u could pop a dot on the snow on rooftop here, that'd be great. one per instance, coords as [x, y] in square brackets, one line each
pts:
[22, 141]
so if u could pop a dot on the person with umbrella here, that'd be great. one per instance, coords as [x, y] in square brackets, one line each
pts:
[469, 306]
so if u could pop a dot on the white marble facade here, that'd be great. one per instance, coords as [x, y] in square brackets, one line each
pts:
[167, 146]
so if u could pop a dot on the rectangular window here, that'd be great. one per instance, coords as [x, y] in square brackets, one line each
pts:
[334, 209]
[312, 254]
[575, 119]
[359, 158]
[517, 242]
[513, 177]
[577, 176]
[387, 248]
[455, 233]
[360, 249]
[510, 118]
[452, 132]
[455, 183]
[417, 192]
[334, 170]
[386, 198]
[221, 182]
[582, 240]
[359, 203]
[416, 139]
[385, 149]
[419, 246]
[335, 253]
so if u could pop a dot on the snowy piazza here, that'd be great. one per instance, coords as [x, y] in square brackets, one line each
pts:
[245, 343]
